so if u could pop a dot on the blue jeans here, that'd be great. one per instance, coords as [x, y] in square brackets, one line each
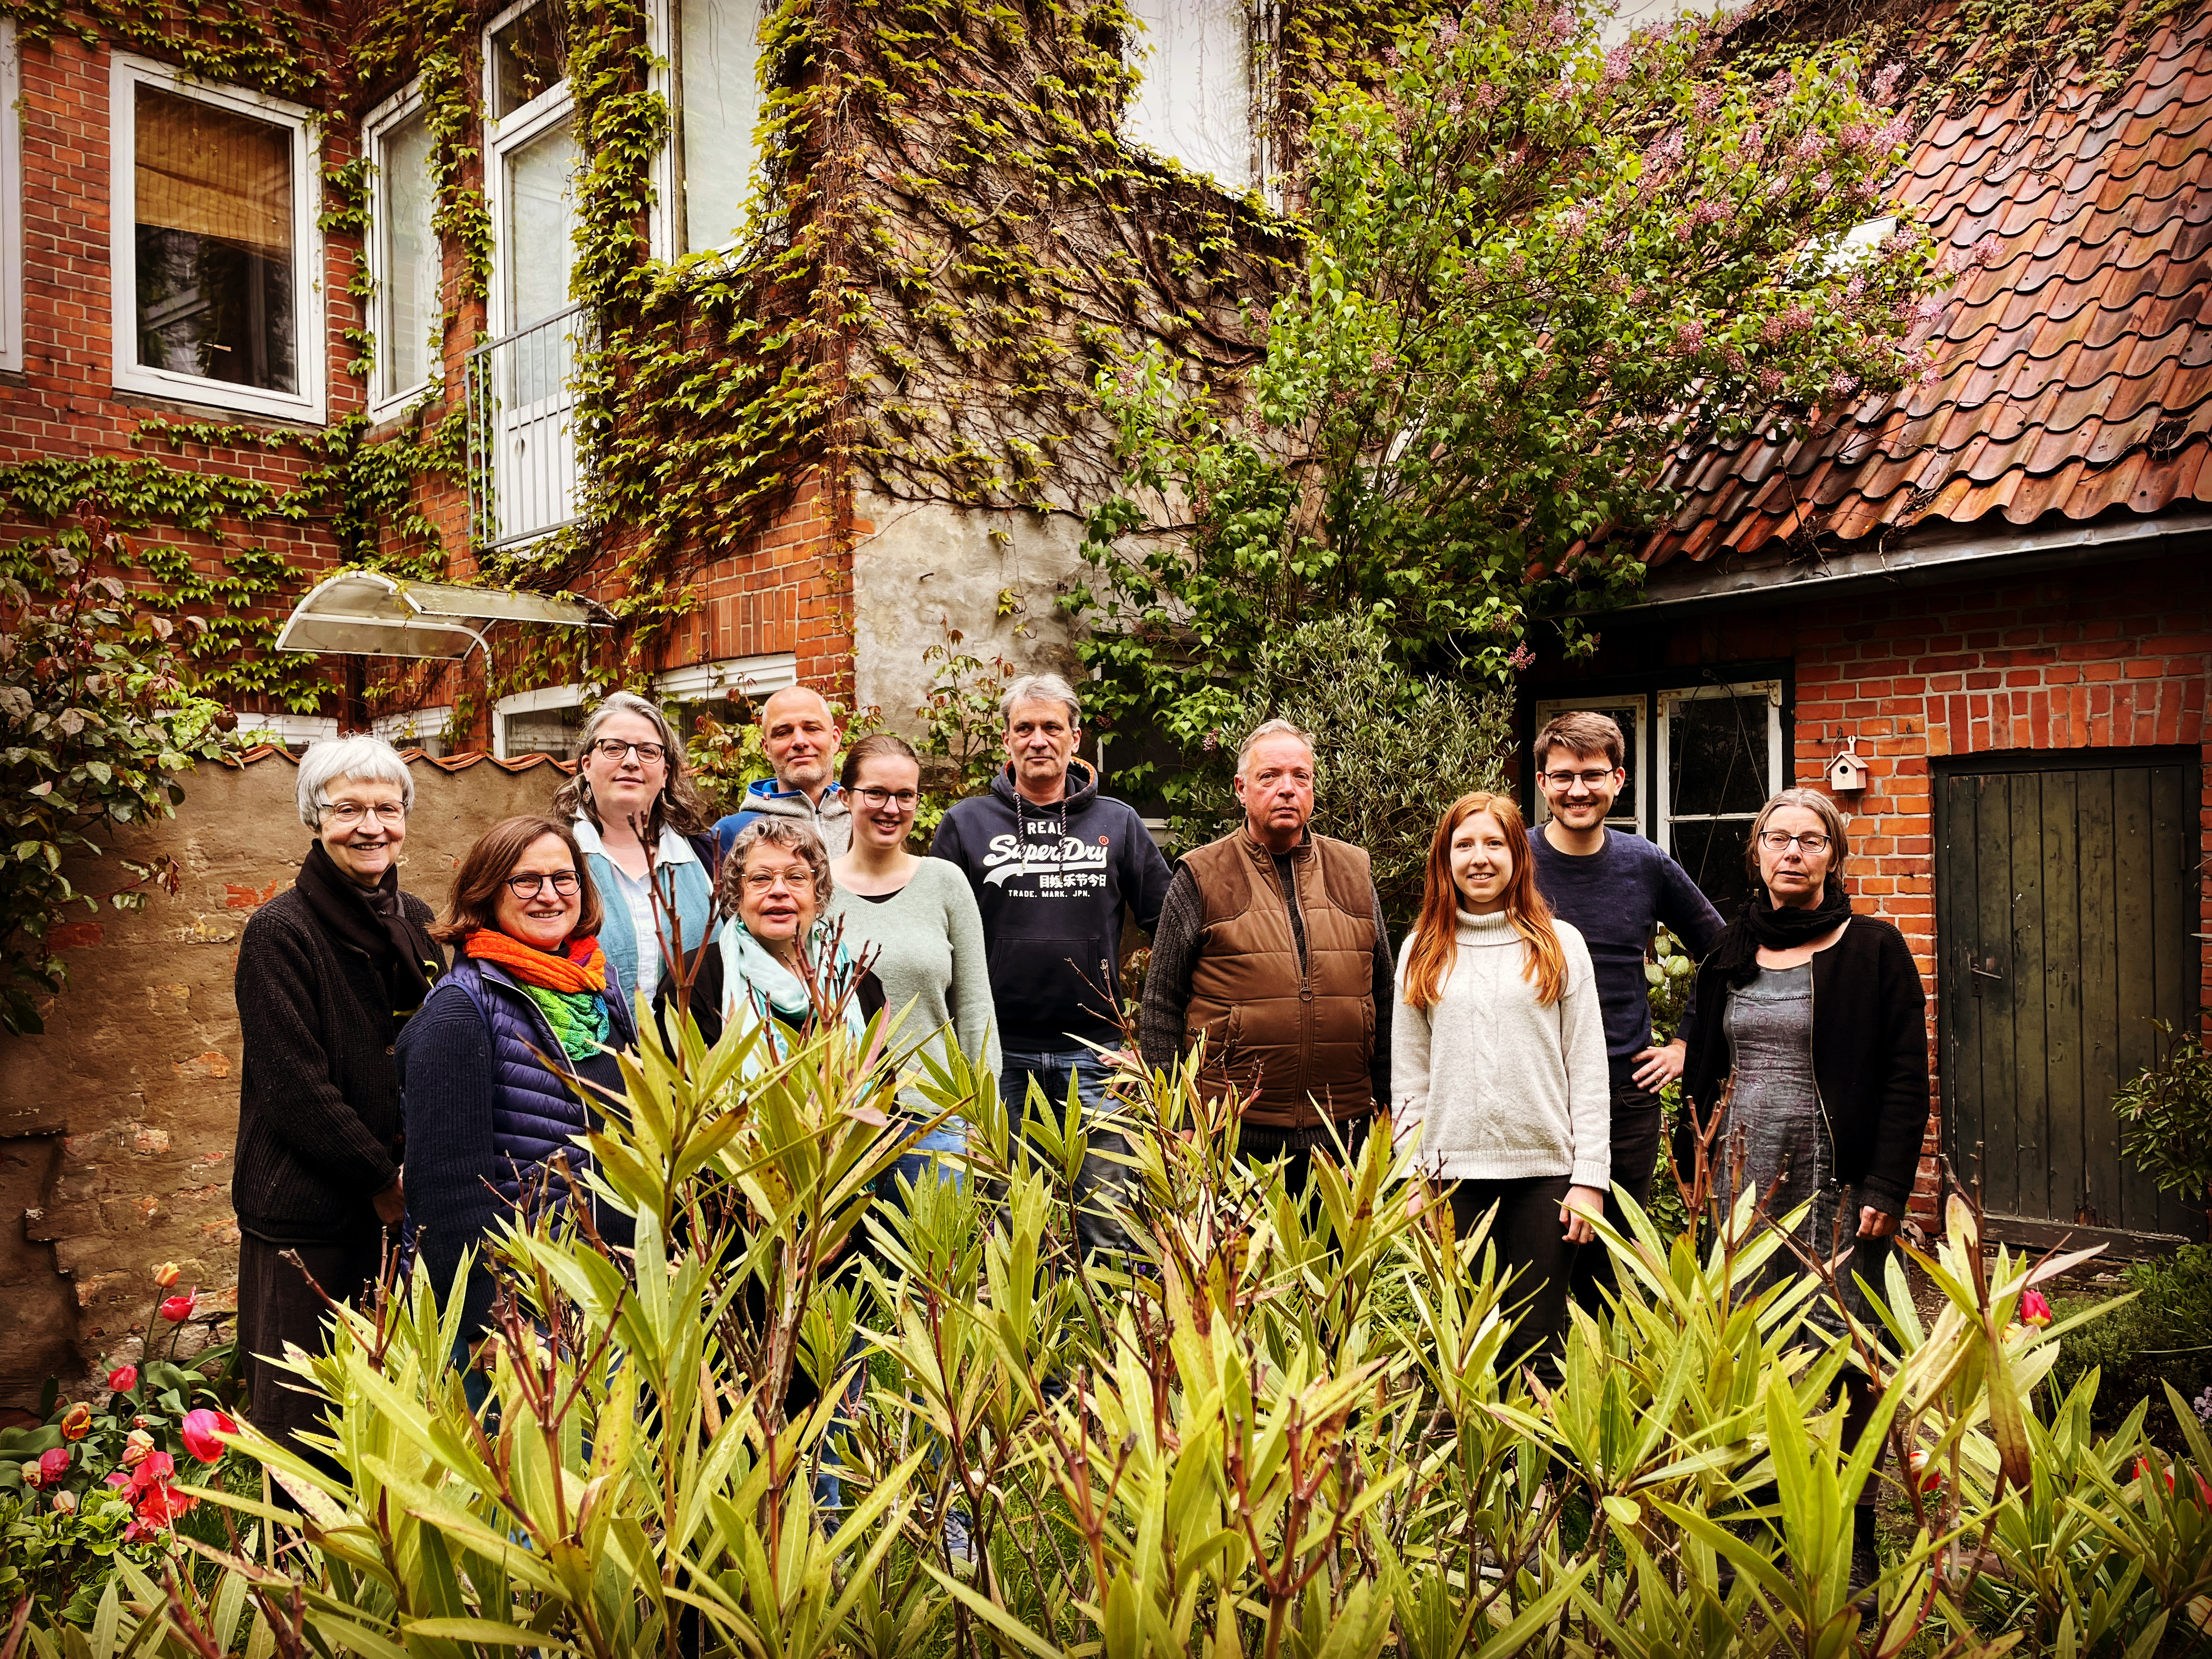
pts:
[1102, 1181]
[927, 1151]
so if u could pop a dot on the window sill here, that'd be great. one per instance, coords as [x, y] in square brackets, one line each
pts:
[218, 395]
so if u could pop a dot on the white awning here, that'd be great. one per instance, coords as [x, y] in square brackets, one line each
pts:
[364, 613]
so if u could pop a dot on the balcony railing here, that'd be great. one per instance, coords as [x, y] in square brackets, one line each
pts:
[525, 479]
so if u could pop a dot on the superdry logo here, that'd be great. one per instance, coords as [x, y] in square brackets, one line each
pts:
[1064, 863]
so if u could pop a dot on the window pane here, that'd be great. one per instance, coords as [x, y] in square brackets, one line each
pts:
[408, 273]
[545, 732]
[529, 56]
[1713, 852]
[1194, 102]
[718, 100]
[213, 243]
[538, 242]
[1716, 755]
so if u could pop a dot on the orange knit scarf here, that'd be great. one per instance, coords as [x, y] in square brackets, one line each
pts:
[580, 966]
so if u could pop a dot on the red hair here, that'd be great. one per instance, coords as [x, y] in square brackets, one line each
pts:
[1436, 935]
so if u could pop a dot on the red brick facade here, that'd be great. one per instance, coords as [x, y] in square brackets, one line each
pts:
[2108, 655]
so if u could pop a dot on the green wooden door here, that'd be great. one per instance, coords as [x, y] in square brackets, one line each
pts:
[2066, 899]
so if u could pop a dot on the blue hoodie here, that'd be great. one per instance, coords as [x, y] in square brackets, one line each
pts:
[1051, 882]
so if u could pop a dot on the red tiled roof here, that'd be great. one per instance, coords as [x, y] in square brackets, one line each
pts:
[2073, 372]
[443, 762]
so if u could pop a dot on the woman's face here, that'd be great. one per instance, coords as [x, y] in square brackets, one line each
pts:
[540, 914]
[624, 782]
[883, 797]
[1481, 863]
[775, 896]
[1796, 872]
[363, 822]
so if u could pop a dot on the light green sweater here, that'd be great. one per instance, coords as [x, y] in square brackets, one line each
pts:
[926, 946]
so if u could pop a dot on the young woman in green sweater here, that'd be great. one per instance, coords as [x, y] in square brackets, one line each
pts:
[914, 921]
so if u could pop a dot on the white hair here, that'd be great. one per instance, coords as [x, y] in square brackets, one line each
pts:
[1275, 728]
[371, 760]
[1040, 688]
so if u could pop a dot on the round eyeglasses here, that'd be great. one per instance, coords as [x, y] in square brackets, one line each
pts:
[347, 813]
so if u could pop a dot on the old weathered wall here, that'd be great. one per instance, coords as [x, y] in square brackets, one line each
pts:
[117, 1125]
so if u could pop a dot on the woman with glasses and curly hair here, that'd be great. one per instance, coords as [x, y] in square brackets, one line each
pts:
[1497, 1060]
[512, 1058]
[1809, 1047]
[637, 816]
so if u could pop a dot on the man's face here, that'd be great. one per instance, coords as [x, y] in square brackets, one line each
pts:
[1579, 789]
[1039, 742]
[1276, 786]
[801, 739]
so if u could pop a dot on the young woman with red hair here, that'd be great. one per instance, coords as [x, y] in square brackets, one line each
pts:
[1498, 1059]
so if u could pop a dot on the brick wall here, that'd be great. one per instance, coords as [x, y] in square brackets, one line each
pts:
[2112, 655]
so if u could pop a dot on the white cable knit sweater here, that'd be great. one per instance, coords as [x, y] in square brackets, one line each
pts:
[1501, 1088]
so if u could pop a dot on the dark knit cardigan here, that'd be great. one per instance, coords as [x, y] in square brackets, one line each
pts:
[319, 1120]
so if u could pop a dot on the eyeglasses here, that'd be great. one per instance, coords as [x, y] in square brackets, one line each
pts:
[1777, 840]
[1568, 780]
[563, 883]
[613, 749]
[347, 813]
[904, 799]
[761, 881]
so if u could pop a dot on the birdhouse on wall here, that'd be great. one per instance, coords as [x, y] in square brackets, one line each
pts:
[1847, 771]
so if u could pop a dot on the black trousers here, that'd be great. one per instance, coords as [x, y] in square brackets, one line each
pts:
[1637, 1122]
[1532, 1243]
[1296, 1149]
[277, 1305]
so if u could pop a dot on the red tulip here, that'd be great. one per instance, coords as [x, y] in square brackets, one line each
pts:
[123, 1378]
[159, 1505]
[117, 1478]
[76, 1421]
[2034, 1310]
[53, 1465]
[158, 1467]
[200, 1429]
[177, 1309]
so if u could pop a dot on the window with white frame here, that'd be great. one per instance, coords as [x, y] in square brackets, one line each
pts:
[714, 71]
[1702, 760]
[403, 255]
[533, 177]
[216, 256]
[547, 721]
[415, 728]
[1194, 102]
[11, 199]
[292, 732]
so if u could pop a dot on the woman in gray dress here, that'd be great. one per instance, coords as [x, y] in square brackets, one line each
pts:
[1811, 1042]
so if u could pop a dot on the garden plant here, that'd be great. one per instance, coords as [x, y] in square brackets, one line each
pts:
[1278, 1428]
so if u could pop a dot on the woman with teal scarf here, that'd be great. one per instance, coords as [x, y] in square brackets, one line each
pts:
[645, 841]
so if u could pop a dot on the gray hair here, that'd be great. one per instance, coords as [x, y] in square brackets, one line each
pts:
[1265, 729]
[788, 834]
[370, 759]
[1821, 807]
[1041, 688]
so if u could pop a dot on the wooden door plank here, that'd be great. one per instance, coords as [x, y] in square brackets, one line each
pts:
[2060, 980]
[1959, 1031]
[2027, 1091]
[2135, 898]
[2098, 1171]
[1999, 1169]
[2174, 988]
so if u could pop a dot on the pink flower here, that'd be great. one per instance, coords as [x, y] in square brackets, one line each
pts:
[200, 1429]
[1986, 251]
[177, 1309]
[1617, 65]
[2034, 1310]
[135, 1446]
[65, 1502]
[1770, 380]
[1689, 337]
[1707, 100]
[123, 1378]
[1885, 84]
[1448, 32]
[1810, 148]
[53, 1465]
[1562, 23]
[1521, 659]
[1842, 385]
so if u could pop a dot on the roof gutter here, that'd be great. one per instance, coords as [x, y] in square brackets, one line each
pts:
[1788, 580]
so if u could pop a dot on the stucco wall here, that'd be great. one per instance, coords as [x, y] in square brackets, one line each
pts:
[117, 1125]
[916, 565]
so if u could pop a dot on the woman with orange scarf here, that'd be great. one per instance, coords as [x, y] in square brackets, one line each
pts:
[501, 1071]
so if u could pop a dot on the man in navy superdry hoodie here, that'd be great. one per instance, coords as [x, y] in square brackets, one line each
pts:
[1053, 862]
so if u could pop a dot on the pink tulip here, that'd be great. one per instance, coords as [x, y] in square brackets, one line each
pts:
[2034, 1310]
[200, 1429]
[123, 1378]
[177, 1309]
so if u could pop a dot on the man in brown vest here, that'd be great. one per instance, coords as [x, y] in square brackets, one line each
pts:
[1272, 947]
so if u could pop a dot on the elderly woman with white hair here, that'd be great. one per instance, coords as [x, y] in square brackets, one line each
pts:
[329, 971]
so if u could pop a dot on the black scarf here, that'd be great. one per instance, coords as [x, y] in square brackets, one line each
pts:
[372, 921]
[1767, 926]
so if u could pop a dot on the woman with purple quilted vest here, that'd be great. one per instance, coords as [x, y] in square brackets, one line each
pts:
[502, 1071]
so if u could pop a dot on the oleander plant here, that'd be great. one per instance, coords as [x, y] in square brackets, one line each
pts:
[1280, 1426]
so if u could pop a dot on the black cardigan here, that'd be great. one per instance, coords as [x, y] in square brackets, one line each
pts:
[319, 1115]
[1869, 1057]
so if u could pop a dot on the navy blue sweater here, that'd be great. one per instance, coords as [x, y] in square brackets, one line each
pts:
[1613, 897]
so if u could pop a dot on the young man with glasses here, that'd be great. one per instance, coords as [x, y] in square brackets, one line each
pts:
[1615, 887]
[801, 736]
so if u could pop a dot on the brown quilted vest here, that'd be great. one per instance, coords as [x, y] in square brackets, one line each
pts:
[1297, 1046]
